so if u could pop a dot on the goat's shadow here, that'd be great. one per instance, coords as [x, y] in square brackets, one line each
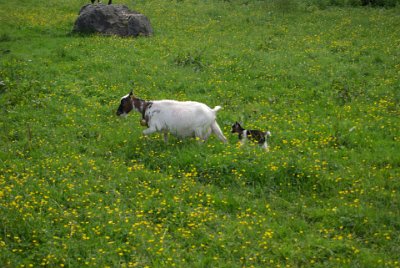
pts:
[155, 154]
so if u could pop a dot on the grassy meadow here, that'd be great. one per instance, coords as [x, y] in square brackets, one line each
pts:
[80, 187]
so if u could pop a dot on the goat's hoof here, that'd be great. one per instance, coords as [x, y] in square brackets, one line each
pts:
[143, 122]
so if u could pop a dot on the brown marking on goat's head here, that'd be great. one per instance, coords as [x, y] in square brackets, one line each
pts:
[126, 105]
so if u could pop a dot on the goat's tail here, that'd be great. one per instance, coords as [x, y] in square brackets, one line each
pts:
[267, 133]
[216, 108]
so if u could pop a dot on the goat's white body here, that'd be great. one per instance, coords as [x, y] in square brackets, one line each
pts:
[182, 119]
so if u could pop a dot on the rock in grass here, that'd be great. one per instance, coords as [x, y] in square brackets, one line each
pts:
[112, 20]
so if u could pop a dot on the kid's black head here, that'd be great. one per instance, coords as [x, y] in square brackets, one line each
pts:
[126, 105]
[237, 128]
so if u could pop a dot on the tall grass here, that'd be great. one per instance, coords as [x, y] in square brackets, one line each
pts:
[81, 187]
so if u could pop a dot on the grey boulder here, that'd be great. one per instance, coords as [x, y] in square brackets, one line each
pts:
[112, 20]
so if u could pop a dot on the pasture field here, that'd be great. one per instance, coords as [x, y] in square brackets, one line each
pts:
[80, 187]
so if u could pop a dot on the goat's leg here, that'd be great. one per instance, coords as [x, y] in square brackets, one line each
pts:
[207, 134]
[202, 135]
[217, 130]
[242, 142]
[264, 146]
[166, 137]
[149, 131]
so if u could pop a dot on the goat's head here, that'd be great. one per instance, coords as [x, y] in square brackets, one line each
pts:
[237, 128]
[126, 104]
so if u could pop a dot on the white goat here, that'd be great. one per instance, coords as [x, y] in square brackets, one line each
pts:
[180, 118]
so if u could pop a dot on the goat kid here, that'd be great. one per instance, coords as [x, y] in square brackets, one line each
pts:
[254, 135]
[180, 118]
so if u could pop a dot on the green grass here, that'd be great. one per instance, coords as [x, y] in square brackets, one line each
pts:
[81, 187]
